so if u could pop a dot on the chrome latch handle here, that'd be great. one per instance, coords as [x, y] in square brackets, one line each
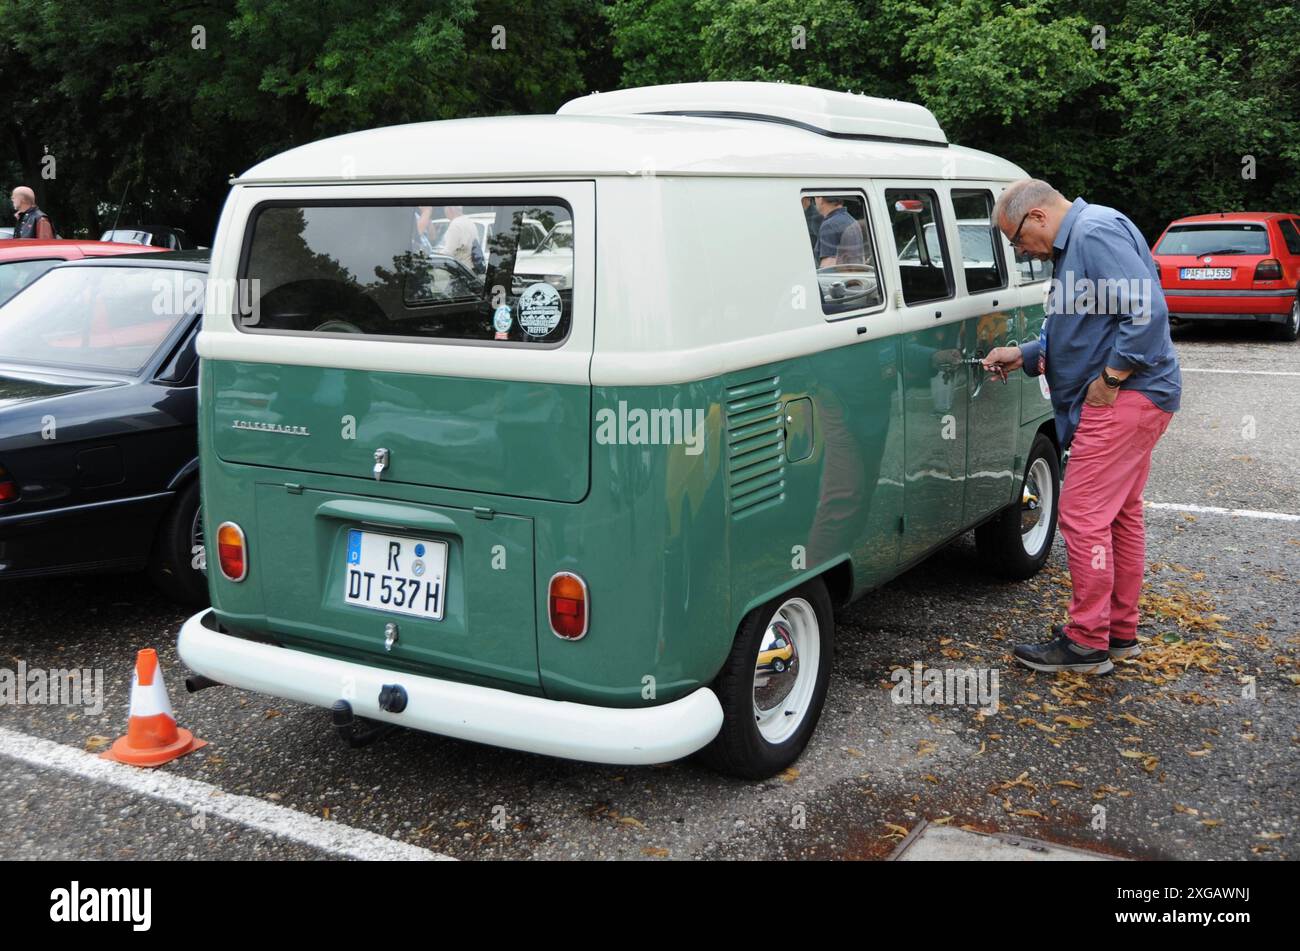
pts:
[381, 463]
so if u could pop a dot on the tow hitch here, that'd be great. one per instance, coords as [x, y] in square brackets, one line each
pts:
[357, 731]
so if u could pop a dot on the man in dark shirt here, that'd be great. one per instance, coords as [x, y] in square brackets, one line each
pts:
[840, 238]
[1114, 381]
[32, 222]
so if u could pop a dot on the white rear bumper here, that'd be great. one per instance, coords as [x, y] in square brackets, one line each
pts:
[579, 731]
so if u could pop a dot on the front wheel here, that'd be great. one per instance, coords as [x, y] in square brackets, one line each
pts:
[1015, 545]
[773, 683]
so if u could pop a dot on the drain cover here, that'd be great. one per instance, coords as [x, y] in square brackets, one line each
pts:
[931, 843]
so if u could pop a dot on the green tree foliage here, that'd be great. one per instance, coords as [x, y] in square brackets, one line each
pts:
[1155, 106]
[169, 100]
[1150, 105]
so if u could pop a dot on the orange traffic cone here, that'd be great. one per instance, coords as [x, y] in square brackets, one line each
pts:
[152, 736]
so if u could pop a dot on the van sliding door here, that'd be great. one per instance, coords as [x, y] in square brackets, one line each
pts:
[993, 406]
[934, 378]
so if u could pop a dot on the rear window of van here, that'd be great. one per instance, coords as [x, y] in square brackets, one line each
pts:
[474, 271]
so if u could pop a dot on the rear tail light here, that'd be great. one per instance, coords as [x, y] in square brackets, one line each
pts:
[8, 487]
[568, 606]
[1269, 269]
[232, 551]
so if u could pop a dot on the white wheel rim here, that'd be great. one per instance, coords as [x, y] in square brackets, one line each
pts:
[782, 698]
[1295, 315]
[1035, 521]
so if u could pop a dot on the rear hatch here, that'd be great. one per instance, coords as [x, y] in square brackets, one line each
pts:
[399, 391]
[495, 437]
[1212, 257]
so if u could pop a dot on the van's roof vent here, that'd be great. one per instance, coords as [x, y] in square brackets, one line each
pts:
[837, 114]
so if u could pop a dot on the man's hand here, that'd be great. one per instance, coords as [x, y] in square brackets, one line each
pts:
[1099, 394]
[1002, 360]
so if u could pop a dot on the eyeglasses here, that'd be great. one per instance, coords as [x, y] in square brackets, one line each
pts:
[1015, 238]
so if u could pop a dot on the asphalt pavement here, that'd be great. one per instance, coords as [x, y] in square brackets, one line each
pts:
[1190, 752]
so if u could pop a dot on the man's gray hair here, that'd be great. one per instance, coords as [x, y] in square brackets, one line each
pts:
[1020, 196]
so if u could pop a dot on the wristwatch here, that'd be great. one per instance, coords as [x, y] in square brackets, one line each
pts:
[1109, 380]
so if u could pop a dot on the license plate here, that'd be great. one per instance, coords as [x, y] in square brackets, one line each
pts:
[396, 574]
[1205, 273]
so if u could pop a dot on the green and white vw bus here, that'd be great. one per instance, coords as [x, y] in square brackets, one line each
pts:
[567, 433]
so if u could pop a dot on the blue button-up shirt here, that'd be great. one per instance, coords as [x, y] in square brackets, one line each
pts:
[1105, 309]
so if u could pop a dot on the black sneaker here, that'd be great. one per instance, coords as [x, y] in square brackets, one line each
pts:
[1124, 648]
[1061, 653]
[1119, 648]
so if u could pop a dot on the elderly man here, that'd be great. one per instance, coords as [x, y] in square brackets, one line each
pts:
[1115, 385]
[32, 222]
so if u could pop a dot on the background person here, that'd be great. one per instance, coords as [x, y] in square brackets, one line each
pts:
[32, 222]
[840, 238]
[460, 240]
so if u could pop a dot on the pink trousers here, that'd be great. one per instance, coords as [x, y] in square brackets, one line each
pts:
[1101, 516]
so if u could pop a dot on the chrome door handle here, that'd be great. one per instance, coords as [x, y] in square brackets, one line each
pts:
[381, 463]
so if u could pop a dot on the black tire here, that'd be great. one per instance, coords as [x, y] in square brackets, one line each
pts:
[1290, 330]
[171, 566]
[1001, 541]
[740, 749]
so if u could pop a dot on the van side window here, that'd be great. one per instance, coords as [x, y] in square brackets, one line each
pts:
[1032, 270]
[981, 249]
[919, 241]
[842, 250]
[407, 269]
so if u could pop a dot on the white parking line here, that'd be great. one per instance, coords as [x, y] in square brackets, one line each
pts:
[1216, 510]
[332, 837]
[1249, 372]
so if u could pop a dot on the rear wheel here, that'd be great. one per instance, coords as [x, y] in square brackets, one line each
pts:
[178, 556]
[1015, 545]
[1291, 329]
[773, 684]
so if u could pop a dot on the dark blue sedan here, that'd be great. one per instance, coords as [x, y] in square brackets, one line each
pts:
[98, 399]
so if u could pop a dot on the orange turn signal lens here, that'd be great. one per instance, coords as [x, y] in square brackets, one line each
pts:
[568, 606]
[232, 551]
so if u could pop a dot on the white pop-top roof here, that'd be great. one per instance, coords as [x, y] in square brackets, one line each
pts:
[807, 132]
[821, 110]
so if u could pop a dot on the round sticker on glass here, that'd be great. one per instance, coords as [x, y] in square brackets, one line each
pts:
[539, 309]
[502, 319]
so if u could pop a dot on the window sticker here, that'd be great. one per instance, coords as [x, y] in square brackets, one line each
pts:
[502, 320]
[539, 309]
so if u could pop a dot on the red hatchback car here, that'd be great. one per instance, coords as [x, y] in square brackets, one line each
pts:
[1242, 265]
[24, 260]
